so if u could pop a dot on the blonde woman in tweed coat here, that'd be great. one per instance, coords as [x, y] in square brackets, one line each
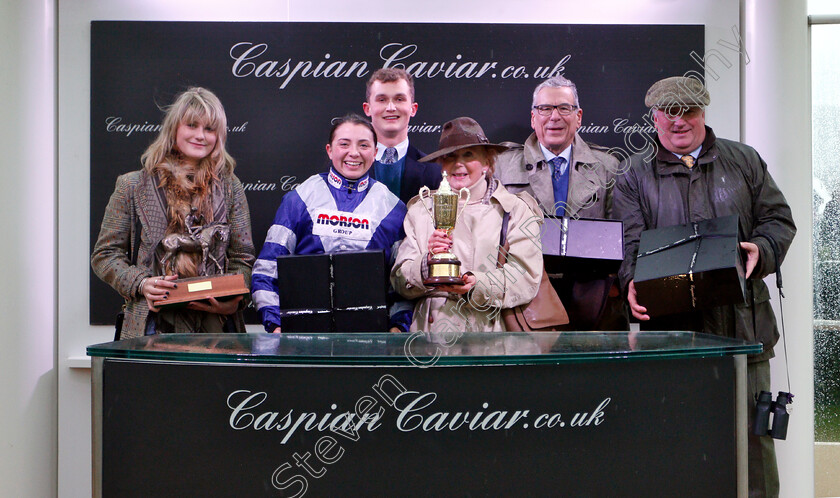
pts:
[186, 175]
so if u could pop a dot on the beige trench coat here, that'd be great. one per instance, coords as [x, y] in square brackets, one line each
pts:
[476, 244]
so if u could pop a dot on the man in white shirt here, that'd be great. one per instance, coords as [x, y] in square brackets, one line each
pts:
[390, 105]
[568, 177]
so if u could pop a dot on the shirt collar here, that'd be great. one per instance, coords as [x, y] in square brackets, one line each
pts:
[565, 154]
[335, 180]
[695, 153]
[402, 149]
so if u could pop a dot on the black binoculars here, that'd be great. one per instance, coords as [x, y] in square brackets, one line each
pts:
[764, 407]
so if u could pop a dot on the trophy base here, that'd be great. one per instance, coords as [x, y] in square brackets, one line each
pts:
[436, 281]
[220, 287]
[444, 269]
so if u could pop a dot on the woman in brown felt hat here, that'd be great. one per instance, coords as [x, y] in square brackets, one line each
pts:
[467, 158]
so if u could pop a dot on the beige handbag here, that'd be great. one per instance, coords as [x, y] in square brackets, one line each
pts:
[544, 313]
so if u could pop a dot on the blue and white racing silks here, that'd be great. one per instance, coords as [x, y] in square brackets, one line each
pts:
[328, 214]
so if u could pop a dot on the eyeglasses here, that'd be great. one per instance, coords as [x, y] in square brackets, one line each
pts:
[563, 109]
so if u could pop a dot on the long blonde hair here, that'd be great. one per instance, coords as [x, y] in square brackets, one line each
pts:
[184, 187]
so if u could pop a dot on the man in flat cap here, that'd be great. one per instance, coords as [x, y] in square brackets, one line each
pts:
[691, 176]
[567, 177]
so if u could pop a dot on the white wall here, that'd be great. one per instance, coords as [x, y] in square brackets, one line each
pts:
[74, 426]
[73, 164]
[777, 122]
[28, 295]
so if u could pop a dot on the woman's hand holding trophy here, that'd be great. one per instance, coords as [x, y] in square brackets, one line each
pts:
[444, 267]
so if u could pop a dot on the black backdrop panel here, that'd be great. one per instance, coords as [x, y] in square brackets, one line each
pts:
[281, 83]
[666, 429]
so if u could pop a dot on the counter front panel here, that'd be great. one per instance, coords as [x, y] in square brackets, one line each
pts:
[566, 414]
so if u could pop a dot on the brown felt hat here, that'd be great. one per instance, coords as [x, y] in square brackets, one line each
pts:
[461, 133]
[677, 92]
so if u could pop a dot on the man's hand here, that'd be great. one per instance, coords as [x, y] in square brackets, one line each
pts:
[752, 257]
[636, 309]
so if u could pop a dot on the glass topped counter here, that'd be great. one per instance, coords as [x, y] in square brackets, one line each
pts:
[510, 348]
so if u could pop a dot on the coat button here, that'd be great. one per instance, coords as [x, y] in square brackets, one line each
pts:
[529, 167]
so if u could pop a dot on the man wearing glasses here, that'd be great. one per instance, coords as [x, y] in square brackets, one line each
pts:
[568, 177]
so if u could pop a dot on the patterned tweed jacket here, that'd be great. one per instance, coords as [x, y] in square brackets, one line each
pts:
[135, 202]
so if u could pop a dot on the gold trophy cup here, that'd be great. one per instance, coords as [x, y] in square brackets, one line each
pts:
[444, 268]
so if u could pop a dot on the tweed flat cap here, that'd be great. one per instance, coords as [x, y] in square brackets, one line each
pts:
[677, 92]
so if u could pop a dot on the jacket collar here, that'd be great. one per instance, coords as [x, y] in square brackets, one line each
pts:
[502, 196]
[508, 201]
[584, 181]
[581, 153]
[152, 212]
[337, 181]
[533, 152]
[708, 151]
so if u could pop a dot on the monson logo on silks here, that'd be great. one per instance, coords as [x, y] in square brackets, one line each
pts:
[327, 222]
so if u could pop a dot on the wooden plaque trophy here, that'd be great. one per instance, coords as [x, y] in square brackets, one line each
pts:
[211, 241]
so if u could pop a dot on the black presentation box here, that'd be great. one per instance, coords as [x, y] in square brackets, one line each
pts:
[666, 282]
[341, 292]
[360, 283]
[360, 278]
[582, 245]
[305, 299]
